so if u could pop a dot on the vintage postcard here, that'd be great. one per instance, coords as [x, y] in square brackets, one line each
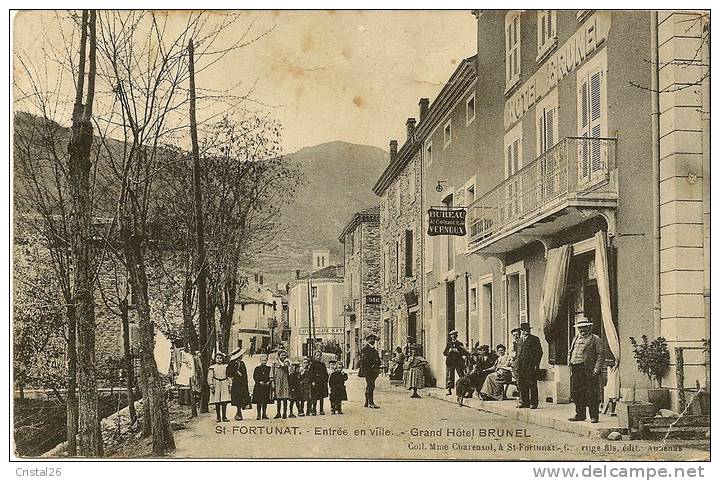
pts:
[361, 234]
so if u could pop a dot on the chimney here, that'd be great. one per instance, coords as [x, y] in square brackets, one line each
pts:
[261, 280]
[424, 106]
[410, 124]
[297, 273]
[393, 150]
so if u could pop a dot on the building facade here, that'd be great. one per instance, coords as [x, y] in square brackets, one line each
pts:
[399, 188]
[315, 307]
[362, 286]
[255, 315]
[574, 199]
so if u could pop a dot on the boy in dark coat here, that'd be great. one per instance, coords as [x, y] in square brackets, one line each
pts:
[338, 393]
[239, 392]
[318, 376]
[294, 382]
[262, 392]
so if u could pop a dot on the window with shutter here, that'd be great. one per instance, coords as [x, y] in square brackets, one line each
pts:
[513, 150]
[591, 121]
[512, 50]
[409, 253]
[522, 297]
[546, 33]
[547, 134]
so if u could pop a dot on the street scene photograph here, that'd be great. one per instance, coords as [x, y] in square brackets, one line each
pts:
[359, 235]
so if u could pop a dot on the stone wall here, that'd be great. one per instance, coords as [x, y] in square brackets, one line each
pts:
[394, 222]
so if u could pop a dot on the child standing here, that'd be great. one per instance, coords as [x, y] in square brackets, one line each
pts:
[262, 394]
[219, 383]
[303, 396]
[281, 384]
[338, 393]
[294, 383]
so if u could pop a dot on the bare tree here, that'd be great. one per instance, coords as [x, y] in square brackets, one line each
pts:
[79, 166]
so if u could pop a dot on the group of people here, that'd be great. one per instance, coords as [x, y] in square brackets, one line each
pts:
[304, 385]
[488, 373]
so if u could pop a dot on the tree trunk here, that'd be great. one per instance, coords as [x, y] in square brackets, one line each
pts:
[71, 397]
[79, 167]
[199, 231]
[191, 338]
[154, 405]
[127, 353]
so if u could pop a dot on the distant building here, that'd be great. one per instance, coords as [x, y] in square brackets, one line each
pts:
[256, 311]
[315, 306]
[362, 288]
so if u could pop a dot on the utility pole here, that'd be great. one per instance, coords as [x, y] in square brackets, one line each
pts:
[199, 231]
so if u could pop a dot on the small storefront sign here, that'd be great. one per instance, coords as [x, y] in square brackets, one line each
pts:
[374, 299]
[446, 221]
[322, 330]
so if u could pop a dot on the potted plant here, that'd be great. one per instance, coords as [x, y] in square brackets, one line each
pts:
[653, 360]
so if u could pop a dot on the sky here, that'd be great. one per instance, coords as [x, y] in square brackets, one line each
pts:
[353, 76]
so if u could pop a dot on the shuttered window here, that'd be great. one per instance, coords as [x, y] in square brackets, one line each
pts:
[546, 32]
[591, 120]
[512, 49]
[547, 137]
[409, 253]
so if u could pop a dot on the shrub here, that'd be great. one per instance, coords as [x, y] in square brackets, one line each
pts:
[652, 357]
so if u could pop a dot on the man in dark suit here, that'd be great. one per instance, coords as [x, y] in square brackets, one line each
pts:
[528, 363]
[585, 358]
[370, 365]
[455, 354]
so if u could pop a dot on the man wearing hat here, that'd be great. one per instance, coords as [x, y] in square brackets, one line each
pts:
[455, 354]
[585, 359]
[369, 369]
[529, 355]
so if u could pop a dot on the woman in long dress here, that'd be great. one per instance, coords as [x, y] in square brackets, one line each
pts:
[414, 376]
[492, 389]
[239, 392]
[219, 383]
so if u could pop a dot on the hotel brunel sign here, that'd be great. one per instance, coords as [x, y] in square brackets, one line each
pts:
[446, 221]
[589, 37]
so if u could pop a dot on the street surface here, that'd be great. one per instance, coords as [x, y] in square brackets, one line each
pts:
[402, 428]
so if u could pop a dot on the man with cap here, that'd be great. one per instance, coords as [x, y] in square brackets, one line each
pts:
[370, 365]
[455, 354]
[529, 354]
[585, 359]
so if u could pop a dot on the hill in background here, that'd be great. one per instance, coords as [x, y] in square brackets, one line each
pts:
[338, 179]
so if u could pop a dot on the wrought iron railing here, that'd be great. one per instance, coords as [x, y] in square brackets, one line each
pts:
[573, 166]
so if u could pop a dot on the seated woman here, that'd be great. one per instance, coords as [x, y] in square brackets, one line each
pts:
[396, 374]
[492, 389]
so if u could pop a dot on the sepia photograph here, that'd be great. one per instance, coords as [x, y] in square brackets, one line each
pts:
[359, 235]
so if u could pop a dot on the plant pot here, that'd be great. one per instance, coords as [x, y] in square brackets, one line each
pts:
[628, 413]
[659, 397]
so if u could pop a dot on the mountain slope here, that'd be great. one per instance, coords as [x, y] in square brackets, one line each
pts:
[338, 180]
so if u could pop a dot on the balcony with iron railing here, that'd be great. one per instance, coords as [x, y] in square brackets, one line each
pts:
[553, 192]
